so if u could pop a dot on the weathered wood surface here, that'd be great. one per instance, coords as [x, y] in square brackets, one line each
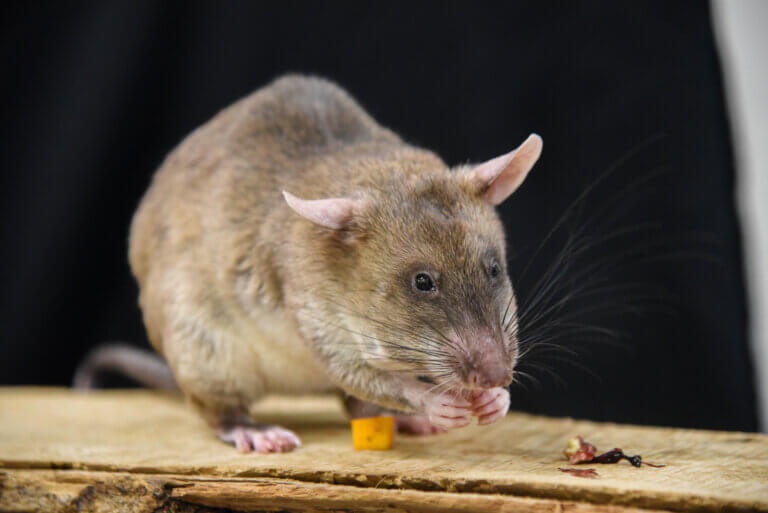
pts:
[143, 451]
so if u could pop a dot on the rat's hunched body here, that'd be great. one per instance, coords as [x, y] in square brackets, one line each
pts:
[293, 245]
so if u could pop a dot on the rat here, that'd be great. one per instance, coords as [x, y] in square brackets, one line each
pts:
[293, 245]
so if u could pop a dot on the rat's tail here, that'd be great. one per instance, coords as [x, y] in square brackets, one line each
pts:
[143, 366]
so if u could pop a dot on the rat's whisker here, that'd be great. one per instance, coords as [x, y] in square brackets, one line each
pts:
[582, 197]
[559, 381]
[388, 343]
[393, 329]
[521, 374]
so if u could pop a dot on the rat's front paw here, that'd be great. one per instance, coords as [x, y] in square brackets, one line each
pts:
[490, 405]
[447, 411]
[417, 425]
[263, 439]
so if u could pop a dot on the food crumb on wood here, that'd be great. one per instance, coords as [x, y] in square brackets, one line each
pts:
[579, 451]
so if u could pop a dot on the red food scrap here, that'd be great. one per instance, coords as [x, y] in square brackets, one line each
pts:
[588, 473]
[579, 451]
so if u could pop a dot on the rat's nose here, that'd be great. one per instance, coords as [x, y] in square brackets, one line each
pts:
[486, 362]
[489, 375]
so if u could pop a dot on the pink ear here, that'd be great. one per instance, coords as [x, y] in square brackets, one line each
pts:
[500, 177]
[332, 213]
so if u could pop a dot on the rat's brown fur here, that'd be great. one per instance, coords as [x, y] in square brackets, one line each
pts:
[242, 296]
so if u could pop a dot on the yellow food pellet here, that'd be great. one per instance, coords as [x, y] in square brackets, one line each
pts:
[373, 433]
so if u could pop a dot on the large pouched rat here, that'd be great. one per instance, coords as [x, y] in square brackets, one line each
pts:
[293, 245]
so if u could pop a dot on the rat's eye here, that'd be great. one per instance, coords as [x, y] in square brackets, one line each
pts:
[495, 270]
[424, 282]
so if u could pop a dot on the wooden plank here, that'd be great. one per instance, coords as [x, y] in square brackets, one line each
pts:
[141, 432]
[61, 491]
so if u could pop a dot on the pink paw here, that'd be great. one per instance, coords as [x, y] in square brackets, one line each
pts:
[447, 411]
[264, 439]
[416, 424]
[490, 405]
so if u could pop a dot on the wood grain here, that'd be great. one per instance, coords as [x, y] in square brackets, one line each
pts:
[135, 435]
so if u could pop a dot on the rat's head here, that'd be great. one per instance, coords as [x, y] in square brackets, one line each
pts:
[424, 279]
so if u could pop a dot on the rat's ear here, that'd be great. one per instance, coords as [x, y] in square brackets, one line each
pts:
[334, 213]
[497, 178]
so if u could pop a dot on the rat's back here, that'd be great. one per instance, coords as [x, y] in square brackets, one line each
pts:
[299, 117]
[235, 166]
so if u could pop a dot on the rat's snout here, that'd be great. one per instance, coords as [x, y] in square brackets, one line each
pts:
[489, 375]
[488, 365]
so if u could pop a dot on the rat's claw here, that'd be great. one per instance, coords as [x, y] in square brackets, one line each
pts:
[262, 439]
[491, 405]
[288, 436]
[241, 441]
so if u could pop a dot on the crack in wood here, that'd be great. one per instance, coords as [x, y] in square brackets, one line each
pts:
[73, 491]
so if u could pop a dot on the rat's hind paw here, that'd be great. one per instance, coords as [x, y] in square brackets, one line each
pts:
[262, 439]
[417, 425]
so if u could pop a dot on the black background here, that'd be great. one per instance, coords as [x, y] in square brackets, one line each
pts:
[95, 94]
